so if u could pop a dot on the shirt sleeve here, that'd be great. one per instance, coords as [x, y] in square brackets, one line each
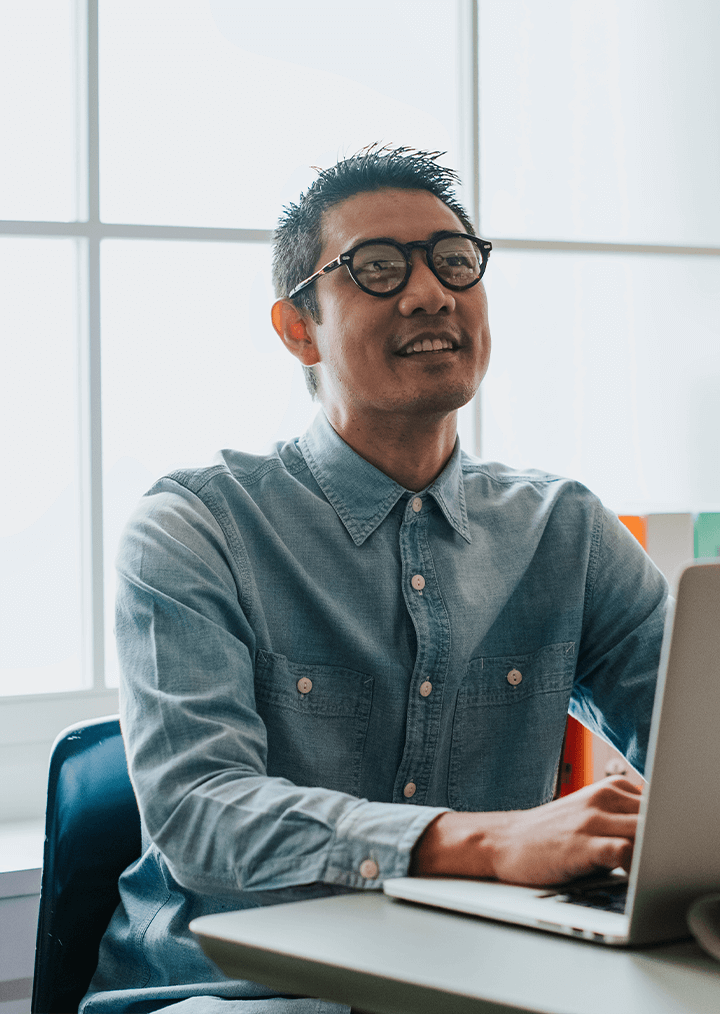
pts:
[623, 624]
[197, 748]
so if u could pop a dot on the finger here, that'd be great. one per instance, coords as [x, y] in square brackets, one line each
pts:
[614, 786]
[611, 825]
[607, 853]
[620, 782]
[615, 798]
[594, 856]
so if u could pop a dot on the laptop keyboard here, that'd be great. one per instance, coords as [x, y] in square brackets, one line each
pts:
[608, 893]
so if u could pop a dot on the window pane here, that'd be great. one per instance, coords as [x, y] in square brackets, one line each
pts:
[38, 110]
[601, 121]
[213, 113]
[606, 368]
[40, 548]
[190, 364]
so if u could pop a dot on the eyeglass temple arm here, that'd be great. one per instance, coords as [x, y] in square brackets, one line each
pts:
[324, 270]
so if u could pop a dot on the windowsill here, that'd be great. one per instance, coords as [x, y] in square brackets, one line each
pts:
[28, 728]
[21, 854]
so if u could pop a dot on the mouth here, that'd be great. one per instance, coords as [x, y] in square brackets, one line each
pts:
[429, 343]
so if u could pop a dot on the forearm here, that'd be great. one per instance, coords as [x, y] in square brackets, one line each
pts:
[260, 833]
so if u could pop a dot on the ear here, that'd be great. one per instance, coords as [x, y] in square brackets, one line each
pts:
[296, 331]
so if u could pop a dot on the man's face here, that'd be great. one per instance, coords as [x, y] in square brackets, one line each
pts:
[363, 340]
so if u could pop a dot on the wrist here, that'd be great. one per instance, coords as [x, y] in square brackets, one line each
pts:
[459, 845]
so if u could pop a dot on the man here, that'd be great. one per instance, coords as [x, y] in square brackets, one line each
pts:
[354, 657]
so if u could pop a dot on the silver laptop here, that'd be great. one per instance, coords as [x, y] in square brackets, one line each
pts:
[677, 848]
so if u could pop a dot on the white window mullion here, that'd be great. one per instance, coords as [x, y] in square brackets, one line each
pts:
[474, 92]
[468, 137]
[93, 378]
[81, 110]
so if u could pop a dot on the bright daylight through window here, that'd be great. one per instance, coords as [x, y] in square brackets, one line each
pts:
[193, 170]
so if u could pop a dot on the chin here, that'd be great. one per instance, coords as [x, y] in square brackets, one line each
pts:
[441, 402]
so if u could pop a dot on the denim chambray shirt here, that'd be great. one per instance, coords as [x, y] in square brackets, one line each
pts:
[316, 662]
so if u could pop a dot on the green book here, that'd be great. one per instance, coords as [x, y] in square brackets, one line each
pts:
[707, 535]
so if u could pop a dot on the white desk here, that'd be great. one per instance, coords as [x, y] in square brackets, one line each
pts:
[391, 957]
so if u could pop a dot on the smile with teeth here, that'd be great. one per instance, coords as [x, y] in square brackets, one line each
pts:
[428, 345]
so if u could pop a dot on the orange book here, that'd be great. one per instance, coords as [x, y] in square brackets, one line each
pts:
[637, 524]
[577, 760]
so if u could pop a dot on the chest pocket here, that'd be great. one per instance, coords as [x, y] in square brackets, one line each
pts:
[508, 726]
[316, 718]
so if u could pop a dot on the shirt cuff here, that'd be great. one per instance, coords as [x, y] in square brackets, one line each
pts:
[374, 841]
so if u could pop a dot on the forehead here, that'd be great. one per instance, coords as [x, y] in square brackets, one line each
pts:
[405, 215]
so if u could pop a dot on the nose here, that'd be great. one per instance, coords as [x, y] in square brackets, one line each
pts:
[424, 292]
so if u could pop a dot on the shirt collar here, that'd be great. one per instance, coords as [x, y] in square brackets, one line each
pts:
[362, 495]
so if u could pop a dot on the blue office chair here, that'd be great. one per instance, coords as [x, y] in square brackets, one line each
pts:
[92, 833]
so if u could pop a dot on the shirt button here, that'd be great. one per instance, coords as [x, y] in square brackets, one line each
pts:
[425, 688]
[369, 869]
[410, 790]
[514, 677]
[304, 685]
[418, 582]
[417, 504]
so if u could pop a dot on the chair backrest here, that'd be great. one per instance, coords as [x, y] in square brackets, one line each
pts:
[92, 833]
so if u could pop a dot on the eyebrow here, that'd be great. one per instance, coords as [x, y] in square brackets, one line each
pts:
[438, 234]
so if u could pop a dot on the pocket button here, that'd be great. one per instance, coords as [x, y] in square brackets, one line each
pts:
[514, 677]
[304, 685]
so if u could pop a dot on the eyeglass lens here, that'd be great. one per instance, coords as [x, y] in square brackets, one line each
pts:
[381, 267]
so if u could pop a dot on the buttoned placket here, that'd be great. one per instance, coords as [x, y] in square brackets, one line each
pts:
[432, 630]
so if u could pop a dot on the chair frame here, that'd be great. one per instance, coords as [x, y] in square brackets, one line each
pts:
[92, 834]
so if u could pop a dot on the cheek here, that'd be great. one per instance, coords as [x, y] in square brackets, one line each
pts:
[354, 357]
[481, 304]
[475, 317]
[341, 349]
[351, 334]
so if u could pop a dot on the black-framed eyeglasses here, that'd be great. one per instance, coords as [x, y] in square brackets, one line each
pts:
[382, 267]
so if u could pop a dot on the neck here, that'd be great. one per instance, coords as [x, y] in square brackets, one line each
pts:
[411, 450]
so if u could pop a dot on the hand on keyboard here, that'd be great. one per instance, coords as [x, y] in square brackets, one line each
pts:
[589, 830]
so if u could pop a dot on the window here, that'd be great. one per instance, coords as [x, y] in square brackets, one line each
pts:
[153, 144]
[600, 142]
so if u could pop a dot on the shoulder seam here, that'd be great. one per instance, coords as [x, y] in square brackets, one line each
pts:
[541, 479]
[594, 557]
[184, 477]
